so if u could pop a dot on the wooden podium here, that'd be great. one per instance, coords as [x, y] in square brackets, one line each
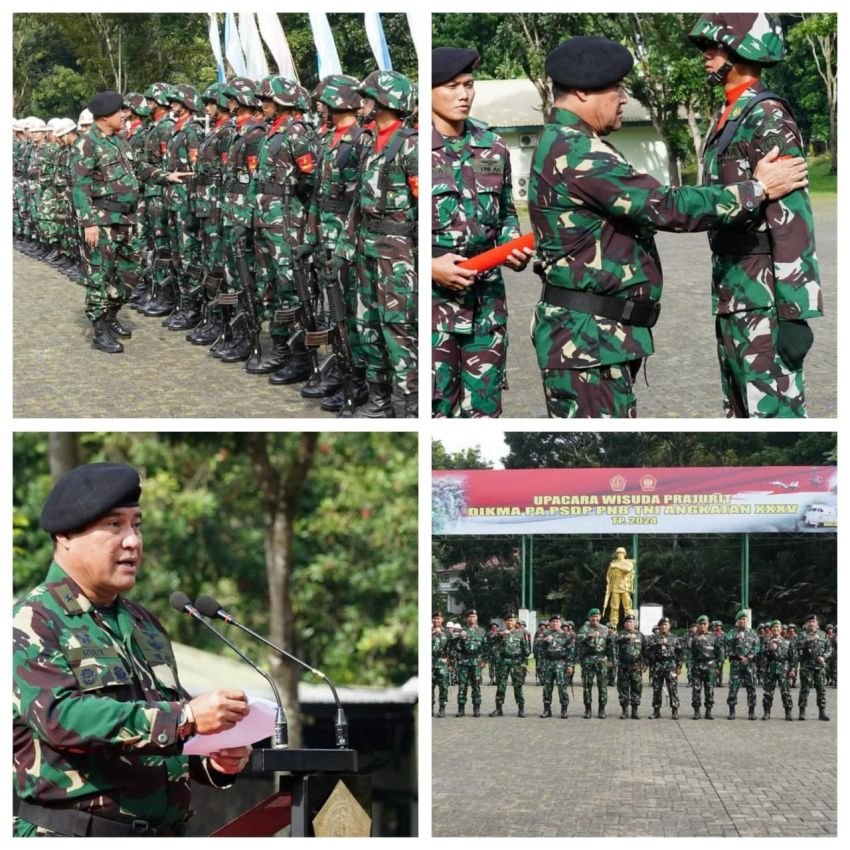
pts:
[321, 796]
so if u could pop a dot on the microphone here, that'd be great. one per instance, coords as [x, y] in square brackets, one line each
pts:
[179, 601]
[210, 608]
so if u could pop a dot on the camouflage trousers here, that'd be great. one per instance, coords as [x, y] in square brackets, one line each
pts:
[771, 680]
[659, 676]
[110, 269]
[812, 677]
[468, 674]
[741, 674]
[440, 680]
[275, 286]
[50, 216]
[629, 685]
[604, 392]
[755, 380]
[186, 253]
[703, 680]
[594, 669]
[554, 673]
[515, 669]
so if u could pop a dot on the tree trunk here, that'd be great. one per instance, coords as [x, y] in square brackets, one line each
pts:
[696, 137]
[62, 452]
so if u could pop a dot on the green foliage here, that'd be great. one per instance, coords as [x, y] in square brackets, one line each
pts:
[355, 565]
[468, 459]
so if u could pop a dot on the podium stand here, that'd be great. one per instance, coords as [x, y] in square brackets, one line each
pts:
[322, 796]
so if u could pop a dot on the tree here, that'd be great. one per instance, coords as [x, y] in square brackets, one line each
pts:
[468, 459]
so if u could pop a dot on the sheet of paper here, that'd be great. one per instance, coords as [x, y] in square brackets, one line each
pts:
[256, 725]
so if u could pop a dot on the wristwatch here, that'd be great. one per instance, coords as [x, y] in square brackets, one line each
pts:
[185, 722]
[761, 194]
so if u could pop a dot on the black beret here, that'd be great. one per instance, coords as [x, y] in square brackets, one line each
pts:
[664, 620]
[810, 617]
[628, 617]
[448, 62]
[436, 614]
[470, 611]
[106, 103]
[88, 492]
[588, 62]
[509, 615]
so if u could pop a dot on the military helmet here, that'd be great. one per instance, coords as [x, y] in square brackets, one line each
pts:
[389, 88]
[85, 118]
[302, 102]
[51, 124]
[159, 92]
[754, 37]
[138, 104]
[339, 91]
[37, 125]
[65, 126]
[188, 96]
[243, 91]
[214, 93]
[280, 90]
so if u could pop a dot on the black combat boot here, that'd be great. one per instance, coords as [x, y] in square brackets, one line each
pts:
[766, 715]
[115, 326]
[708, 714]
[520, 712]
[497, 711]
[103, 339]
[274, 360]
[329, 382]
[696, 714]
[656, 713]
[165, 300]
[297, 366]
[208, 331]
[752, 713]
[187, 317]
[442, 711]
[601, 713]
[802, 713]
[788, 714]
[360, 395]
[564, 712]
[547, 709]
[822, 715]
[731, 713]
[411, 406]
[624, 712]
[380, 403]
[587, 711]
[240, 348]
[674, 714]
[461, 711]
[476, 709]
[635, 715]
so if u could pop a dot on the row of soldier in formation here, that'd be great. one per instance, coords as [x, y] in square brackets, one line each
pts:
[267, 211]
[770, 660]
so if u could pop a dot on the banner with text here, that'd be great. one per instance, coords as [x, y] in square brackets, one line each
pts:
[661, 500]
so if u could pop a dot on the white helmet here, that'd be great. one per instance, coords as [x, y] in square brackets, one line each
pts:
[63, 127]
[37, 125]
[85, 118]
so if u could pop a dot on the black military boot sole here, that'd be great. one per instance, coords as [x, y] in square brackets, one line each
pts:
[497, 712]
[708, 714]
[442, 711]
[520, 711]
[476, 711]
[601, 714]
[822, 715]
[731, 714]
[461, 711]
[635, 715]
[547, 711]
[297, 368]
[624, 715]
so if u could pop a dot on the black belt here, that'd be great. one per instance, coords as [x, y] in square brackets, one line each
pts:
[387, 227]
[237, 188]
[740, 244]
[331, 205]
[73, 822]
[640, 312]
[272, 189]
[113, 206]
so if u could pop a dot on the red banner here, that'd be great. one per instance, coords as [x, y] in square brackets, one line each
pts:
[659, 500]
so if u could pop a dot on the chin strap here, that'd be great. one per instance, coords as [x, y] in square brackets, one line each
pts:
[718, 77]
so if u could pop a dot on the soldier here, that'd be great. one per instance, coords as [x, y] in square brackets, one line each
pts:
[814, 649]
[439, 663]
[66, 137]
[717, 628]
[630, 653]
[99, 715]
[557, 656]
[537, 649]
[793, 656]
[612, 670]
[765, 275]
[742, 648]
[664, 653]
[49, 194]
[513, 650]
[704, 654]
[492, 652]
[776, 654]
[595, 651]
[596, 253]
[832, 661]
[381, 235]
[686, 653]
[569, 628]
[472, 210]
[526, 634]
[469, 643]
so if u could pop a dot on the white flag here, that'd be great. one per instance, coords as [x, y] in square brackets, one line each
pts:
[325, 47]
[255, 57]
[411, 23]
[215, 43]
[275, 39]
[377, 40]
[232, 47]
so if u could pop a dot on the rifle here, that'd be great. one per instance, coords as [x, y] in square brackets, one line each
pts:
[313, 336]
[249, 314]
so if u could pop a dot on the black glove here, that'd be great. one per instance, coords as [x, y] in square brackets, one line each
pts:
[794, 338]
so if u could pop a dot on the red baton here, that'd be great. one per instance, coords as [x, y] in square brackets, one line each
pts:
[487, 260]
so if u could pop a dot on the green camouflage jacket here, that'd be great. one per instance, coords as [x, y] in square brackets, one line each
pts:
[95, 708]
[512, 646]
[629, 648]
[785, 278]
[777, 655]
[156, 145]
[440, 650]
[237, 205]
[470, 644]
[104, 177]
[181, 155]
[811, 646]
[738, 643]
[209, 170]
[664, 652]
[704, 650]
[594, 642]
[593, 218]
[557, 646]
[472, 209]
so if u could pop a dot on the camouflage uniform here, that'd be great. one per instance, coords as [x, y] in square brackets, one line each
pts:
[536, 651]
[135, 135]
[704, 654]
[776, 654]
[811, 646]
[664, 654]
[742, 643]
[764, 274]
[630, 648]
[472, 209]
[440, 668]
[722, 640]
[557, 652]
[513, 650]
[593, 218]
[595, 650]
[95, 712]
[49, 194]
[469, 645]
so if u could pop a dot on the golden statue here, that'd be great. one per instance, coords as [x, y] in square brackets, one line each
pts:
[619, 585]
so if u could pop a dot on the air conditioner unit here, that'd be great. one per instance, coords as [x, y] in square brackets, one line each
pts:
[523, 192]
[527, 140]
[522, 181]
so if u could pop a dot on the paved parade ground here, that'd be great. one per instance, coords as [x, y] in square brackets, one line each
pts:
[512, 777]
[683, 376]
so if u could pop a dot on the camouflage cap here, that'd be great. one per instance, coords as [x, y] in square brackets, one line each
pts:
[158, 92]
[214, 93]
[390, 89]
[340, 91]
[753, 37]
[138, 104]
[243, 90]
[569, 623]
